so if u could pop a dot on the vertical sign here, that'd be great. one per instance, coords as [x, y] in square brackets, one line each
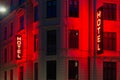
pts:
[100, 30]
[18, 47]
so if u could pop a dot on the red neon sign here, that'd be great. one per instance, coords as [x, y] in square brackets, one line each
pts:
[100, 30]
[19, 46]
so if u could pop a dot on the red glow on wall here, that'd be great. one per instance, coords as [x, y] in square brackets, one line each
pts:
[18, 46]
[99, 31]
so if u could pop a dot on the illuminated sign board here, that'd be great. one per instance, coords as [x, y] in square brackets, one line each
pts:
[19, 47]
[100, 30]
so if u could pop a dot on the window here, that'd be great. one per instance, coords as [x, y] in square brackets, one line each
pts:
[36, 13]
[5, 75]
[11, 74]
[51, 8]
[35, 42]
[11, 53]
[21, 1]
[36, 71]
[73, 70]
[73, 39]
[51, 70]
[51, 42]
[5, 33]
[11, 29]
[5, 55]
[89, 68]
[21, 22]
[109, 71]
[109, 41]
[74, 8]
[21, 73]
[109, 11]
[11, 5]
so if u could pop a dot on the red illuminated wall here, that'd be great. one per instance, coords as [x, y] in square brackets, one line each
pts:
[87, 27]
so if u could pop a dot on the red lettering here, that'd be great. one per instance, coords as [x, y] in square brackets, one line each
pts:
[98, 14]
[98, 22]
[19, 43]
[98, 47]
[98, 30]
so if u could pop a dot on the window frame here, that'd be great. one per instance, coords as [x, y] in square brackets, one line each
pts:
[5, 55]
[74, 8]
[73, 39]
[35, 42]
[51, 42]
[36, 71]
[36, 14]
[11, 52]
[11, 74]
[51, 10]
[21, 2]
[5, 33]
[110, 11]
[51, 70]
[11, 29]
[109, 67]
[21, 22]
[11, 5]
[73, 70]
[109, 37]
[21, 74]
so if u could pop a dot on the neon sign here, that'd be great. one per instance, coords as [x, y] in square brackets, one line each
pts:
[100, 30]
[19, 46]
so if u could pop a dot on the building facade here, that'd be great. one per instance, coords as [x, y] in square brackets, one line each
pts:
[60, 40]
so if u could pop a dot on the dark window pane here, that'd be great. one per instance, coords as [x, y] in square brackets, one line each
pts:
[36, 15]
[22, 22]
[73, 8]
[73, 70]
[51, 8]
[21, 1]
[11, 74]
[109, 11]
[5, 55]
[73, 39]
[11, 55]
[5, 33]
[35, 42]
[51, 42]
[109, 71]
[109, 41]
[11, 5]
[51, 70]
[11, 29]
[21, 73]
[36, 71]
